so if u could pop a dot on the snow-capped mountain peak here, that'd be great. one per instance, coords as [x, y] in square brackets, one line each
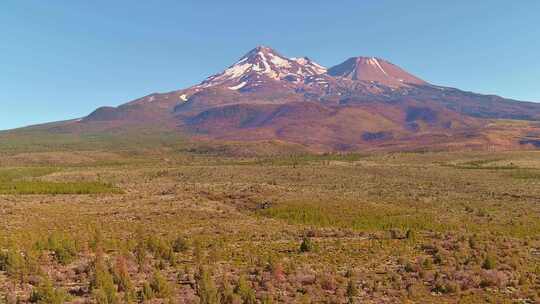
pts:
[264, 64]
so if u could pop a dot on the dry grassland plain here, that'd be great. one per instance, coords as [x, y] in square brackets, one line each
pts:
[166, 224]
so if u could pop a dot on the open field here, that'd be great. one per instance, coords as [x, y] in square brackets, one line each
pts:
[181, 226]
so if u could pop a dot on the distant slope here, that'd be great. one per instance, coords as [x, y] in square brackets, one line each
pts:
[364, 103]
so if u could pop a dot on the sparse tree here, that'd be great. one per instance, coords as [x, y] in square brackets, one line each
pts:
[489, 262]
[245, 291]
[160, 286]
[352, 291]
[102, 283]
[45, 293]
[122, 278]
[306, 245]
[206, 289]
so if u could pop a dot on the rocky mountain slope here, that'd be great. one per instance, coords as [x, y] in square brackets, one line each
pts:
[361, 104]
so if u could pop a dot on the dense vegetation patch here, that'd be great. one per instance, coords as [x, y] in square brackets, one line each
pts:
[44, 187]
[358, 216]
[24, 181]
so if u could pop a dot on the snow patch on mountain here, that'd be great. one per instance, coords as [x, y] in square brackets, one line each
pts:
[374, 61]
[238, 87]
[279, 62]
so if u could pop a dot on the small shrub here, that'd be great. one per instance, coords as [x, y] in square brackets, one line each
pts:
[306, 245]
[227, 295]
[12, 262]
[489, 262]
[160, 286]
[121, 277]
[180, 244]
[140, 252]
[159, 248]
[352, 291]
[146, 292]
[245, 291]
[45, 293]
[102, 283]
[206, 289]
[3, 260]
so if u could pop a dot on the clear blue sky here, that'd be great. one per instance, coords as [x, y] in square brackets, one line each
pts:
[62, 59]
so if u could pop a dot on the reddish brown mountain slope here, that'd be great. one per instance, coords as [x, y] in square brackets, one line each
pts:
[376, 70]
[362, 103]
